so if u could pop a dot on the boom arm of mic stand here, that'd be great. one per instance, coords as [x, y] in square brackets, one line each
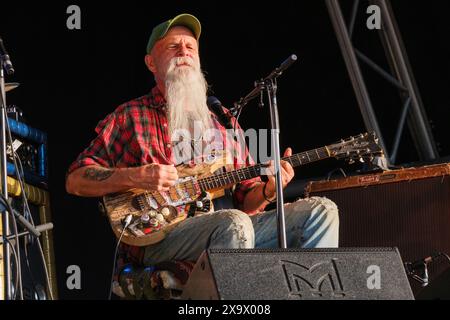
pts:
[256, 92]
[260, 85]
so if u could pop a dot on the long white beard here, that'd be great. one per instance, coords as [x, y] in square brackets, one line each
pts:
[186, 90]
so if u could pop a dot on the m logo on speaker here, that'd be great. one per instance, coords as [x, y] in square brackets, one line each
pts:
[320, 280]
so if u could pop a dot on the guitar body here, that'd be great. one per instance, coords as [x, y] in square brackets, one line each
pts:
[155, 213]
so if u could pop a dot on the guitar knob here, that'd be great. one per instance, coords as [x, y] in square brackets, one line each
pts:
[199, 204]
[169, 213]
[165, 211]
[154, 223]
[160, 218]
[145, 218]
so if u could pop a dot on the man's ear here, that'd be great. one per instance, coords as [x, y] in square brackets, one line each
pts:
[150, 63]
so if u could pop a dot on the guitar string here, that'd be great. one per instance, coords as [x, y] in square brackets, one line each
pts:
[216, 181]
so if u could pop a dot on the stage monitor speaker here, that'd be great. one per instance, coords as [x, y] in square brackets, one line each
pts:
[299, 274]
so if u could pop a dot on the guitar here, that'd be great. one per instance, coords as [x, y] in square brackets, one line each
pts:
[155, 213]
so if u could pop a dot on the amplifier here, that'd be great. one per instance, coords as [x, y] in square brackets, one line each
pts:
[407, 208]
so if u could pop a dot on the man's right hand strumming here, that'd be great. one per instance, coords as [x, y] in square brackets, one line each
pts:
[154, 177]
[97, 181]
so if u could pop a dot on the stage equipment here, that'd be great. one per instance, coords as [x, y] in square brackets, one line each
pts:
[298, 274]
[407, 208]
[412, 110]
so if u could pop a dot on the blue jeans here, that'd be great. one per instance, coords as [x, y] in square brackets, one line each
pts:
[310, 223]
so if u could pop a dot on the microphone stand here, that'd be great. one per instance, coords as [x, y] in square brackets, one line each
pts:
[5, 64]
[4, 185]
[269, 84]
[39, 229]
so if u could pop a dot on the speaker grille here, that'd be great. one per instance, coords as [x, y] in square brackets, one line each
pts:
[411, 215]
[299, 274]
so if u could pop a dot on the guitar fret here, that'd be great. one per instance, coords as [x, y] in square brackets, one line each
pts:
[214, 183]
[222, 179]
[246, 173]
[236, 176]
[303, 157]
[255, 171]
[209, 182]
[290, 160]
[318, 157]
[228, 178]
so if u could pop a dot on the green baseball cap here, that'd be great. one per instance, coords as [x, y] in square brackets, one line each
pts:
[185, 20]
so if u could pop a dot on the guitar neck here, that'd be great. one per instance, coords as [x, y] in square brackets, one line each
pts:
[233, 177]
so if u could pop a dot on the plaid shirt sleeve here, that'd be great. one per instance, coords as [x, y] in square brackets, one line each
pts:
[104, 147]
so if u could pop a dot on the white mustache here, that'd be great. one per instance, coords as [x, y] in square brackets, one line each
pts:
[181, 61]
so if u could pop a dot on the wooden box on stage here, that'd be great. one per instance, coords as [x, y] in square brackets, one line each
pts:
[407, 208]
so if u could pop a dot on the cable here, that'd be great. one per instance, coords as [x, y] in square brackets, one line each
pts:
[44, 264]
[127, 223]
[446, 256]
[19, 175]
[27, 262]
[17, 265]
[27, 216]
[18, 286]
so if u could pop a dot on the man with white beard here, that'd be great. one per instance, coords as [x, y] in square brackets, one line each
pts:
[135, 149]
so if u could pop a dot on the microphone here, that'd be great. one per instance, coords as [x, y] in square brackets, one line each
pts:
[424, 261]
[420, 266]
[286, 64]
[216, 106]
[6, 60]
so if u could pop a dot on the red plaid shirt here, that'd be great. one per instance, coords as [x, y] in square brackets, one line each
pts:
[136, 133]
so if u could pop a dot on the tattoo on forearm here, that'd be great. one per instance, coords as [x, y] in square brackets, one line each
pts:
[95, 174]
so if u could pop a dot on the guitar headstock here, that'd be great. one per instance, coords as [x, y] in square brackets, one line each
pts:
[363, 147]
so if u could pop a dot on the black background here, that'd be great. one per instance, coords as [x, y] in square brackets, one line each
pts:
[71, 79]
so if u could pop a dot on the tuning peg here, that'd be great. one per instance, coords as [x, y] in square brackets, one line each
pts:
[351, 161]
[361, 160]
